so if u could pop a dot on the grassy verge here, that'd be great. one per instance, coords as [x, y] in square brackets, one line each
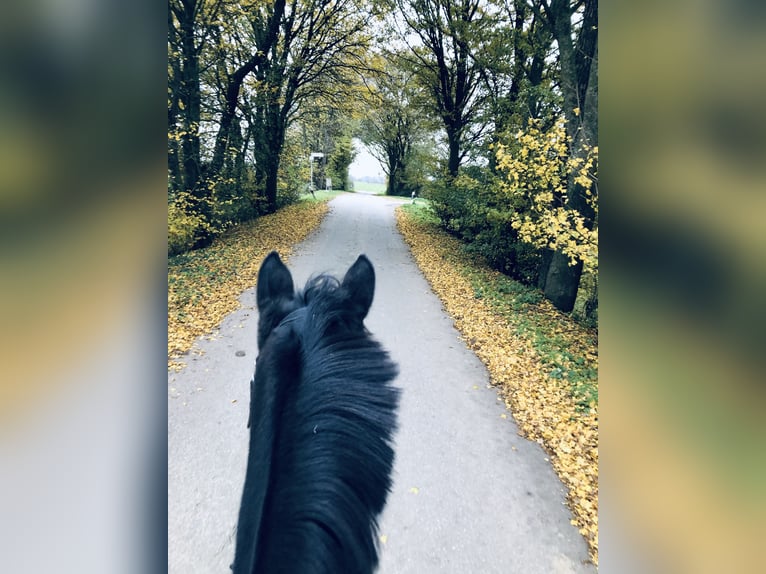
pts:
[321, 195]
[370, 187]
[204, 285]
[544, 362]
[569, 351]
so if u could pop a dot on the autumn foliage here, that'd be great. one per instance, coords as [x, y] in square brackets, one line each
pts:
[543, 398]
[536, 175]
[517, 216]
[204, 285]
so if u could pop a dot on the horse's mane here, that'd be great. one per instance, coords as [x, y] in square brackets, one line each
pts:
[324, 413]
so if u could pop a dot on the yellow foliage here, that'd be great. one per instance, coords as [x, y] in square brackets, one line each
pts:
[538, 175]
[541, 405]
[183, 224]
[206, 287]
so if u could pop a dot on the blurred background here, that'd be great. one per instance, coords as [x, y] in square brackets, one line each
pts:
[683, 140]
[82, 286]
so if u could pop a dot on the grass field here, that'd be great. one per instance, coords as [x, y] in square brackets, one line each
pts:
[379, 188]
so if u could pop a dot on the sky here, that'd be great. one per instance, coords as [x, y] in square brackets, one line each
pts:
[364, 164]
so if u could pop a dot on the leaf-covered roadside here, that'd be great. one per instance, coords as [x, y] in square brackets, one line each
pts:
[528, 347]
[204, 285]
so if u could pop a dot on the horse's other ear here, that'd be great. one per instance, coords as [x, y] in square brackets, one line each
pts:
[274, 281]
[359, 283]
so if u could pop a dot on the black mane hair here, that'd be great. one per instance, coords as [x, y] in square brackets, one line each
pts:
[322, 418]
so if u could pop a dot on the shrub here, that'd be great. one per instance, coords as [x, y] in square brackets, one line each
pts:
[184, 224]
[472, 207]
[448, 203]
[292, 176]
[498, 243]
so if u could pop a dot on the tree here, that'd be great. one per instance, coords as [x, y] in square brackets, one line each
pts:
[578, 73]
[328, 129]
[447, 61]
[174, 108]
[340, 159]
[317, 53]
[248, 49]
[189, 26]
[243, 71]
[393, 123]
[518, 74]
[537, 177]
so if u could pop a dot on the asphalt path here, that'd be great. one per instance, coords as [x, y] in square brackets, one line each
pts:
[470, 495]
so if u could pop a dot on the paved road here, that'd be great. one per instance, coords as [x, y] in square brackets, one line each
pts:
[470, 495]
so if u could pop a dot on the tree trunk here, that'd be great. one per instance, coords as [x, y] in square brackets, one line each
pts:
[562, 282]
[453, 141]
[174, 165]
[579, 88]
[235, 148]
[226, 123]
[272, 180]
[225, 126]
[392, 182]
[266, 33]
[590, 308]
[241, 155]
[545, 264]
[267, 163]
[191, 98]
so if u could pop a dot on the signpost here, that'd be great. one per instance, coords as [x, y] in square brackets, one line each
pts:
[313, 156]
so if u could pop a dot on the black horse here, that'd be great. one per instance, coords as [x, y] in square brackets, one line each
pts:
[322, 418]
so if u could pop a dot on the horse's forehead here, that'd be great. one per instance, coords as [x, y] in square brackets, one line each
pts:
[293, 316]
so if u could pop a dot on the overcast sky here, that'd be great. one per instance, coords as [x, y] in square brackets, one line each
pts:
[364, 164]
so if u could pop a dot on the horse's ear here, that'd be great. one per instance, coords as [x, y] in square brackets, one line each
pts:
[274, 281]
[359, 283]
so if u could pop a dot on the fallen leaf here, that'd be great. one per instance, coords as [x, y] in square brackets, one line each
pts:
[204, 285]
[534, 386]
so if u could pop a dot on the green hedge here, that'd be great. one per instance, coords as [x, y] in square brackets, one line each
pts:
[472, 207]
